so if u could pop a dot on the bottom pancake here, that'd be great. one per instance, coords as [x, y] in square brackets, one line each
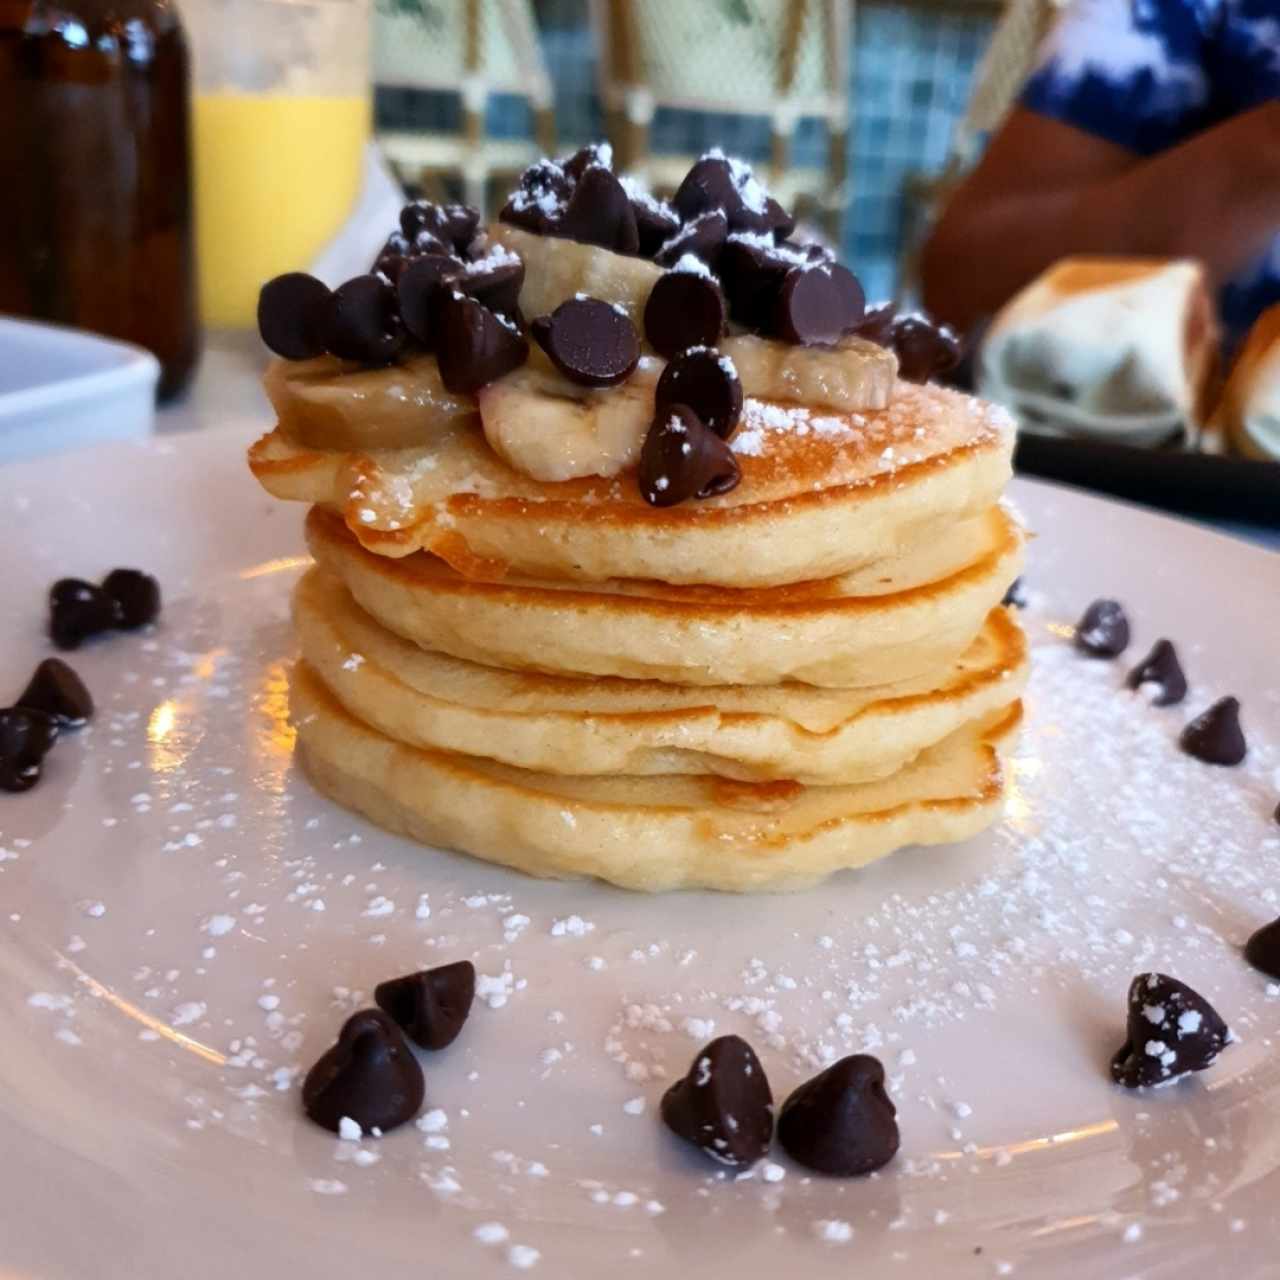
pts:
[558, 724]
[650, 833]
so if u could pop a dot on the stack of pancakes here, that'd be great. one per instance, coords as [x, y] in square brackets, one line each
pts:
[748, 691]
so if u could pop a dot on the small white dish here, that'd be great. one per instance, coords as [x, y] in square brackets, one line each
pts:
[61, 388]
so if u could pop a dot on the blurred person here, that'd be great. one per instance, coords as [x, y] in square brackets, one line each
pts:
[1149, 127]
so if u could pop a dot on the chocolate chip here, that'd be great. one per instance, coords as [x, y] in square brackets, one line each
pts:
[724, 1105]
[752, 273]
[1171, 1030]
[685, 309]
[78, 610]
[363, 321]
[476, 346]
[1160, 675]
[1263, 948]
[1016, 596]
[370, 1076]
[495, 285]
[656, 223]
[924, 349]
[452, 226]
[876, 324]
[708, 383]
[293, 311]
[708, 185]
[1103, 631]
[421, 290]
[817, 304]
[544, 189]
[432, 1005]
[137, 594]
[841, 1122]
[594, 153]
[681, 458]
[704, 238]
[56, 690]
[1215, 736]
[766, 216]
[593, 343]
[25, 738]
[599, 212]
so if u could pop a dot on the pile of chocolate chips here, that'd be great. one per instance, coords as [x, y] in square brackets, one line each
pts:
[370, 1077]
[433, 287]
[54, 700]
[436, 286]
[841, 1123]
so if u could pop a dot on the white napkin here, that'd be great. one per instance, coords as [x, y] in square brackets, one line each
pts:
[1118, 349]
[375, 216]
[1248, 414]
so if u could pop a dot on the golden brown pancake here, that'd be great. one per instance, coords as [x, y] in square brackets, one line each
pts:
[648, 833]
[832, 633]
[559, 724]
[810, 505]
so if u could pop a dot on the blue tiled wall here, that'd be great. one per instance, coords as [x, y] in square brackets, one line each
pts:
[910, 73]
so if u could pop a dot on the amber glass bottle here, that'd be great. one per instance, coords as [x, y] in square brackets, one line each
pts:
[95, 173]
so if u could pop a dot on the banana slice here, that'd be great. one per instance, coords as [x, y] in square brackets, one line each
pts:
[329, 404]
[850, 377]
[555, 270]
[551, 429]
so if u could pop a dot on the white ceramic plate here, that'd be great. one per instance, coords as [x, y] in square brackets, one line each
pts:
[167, 873]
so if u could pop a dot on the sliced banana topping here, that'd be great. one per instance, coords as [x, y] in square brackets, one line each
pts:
[853, 376]
[552, 429]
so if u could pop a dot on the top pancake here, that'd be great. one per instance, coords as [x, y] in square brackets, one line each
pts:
[821, 495]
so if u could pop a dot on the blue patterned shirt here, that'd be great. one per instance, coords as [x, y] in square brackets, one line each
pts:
[1148, 74]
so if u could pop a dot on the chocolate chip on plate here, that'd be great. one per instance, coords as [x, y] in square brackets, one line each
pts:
[78, 610]
[363, 322]
[1215, 736]
[723, 1105]
[1159, 675]
[421, 289]
[593, 343]
[1263, 949]
[681, 458]
[476, 345]
[370, 1076]
[599, 212]
[703, 237]
[430, 1006]
[1171, 1030]
[817, 304]
[25, 738]
[1016, 596]
[686, 308]
[841, 1122]
[708, 383]
[136, 593]
[293, 312]
[56, 690]
[1103, 630]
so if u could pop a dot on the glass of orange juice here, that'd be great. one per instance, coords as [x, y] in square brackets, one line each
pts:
[281, 117]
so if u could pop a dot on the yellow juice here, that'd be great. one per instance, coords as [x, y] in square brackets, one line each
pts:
[276, 176]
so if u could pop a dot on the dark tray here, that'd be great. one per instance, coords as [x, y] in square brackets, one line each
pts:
[1193, 483]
